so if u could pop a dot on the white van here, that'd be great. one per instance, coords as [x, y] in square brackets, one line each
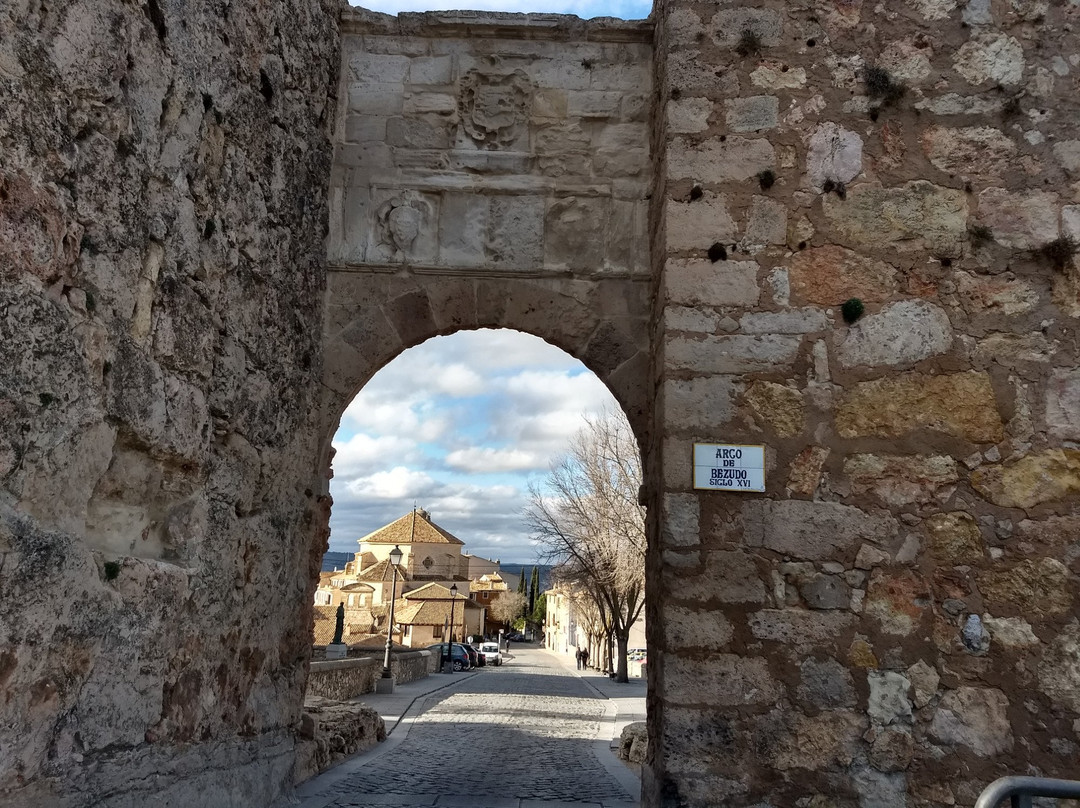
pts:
[490, 650]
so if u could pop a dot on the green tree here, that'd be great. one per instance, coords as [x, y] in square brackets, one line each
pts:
[539, 614]
[534, 588]
[521, 582]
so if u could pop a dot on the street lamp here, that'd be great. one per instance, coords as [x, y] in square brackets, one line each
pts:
[450, 644]
[395, 559]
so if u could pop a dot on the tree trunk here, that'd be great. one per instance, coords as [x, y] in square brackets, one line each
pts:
[623, 638]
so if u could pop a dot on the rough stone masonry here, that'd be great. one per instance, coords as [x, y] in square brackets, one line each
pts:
[216, 228]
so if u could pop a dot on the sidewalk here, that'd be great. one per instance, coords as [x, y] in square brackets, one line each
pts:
[393, 706]
[627, 698]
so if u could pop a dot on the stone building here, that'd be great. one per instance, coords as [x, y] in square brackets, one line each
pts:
[425, 616]
[431, 562]
[840, 231]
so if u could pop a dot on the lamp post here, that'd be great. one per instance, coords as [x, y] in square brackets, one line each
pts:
[387, 679]
[450, 643]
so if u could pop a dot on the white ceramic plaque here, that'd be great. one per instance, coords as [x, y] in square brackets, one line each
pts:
[729, 467]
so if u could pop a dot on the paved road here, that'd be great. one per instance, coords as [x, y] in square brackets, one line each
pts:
[527, 734]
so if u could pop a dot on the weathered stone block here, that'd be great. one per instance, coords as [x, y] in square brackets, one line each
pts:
[825, 685]
[834, 154]
[1032, 587]
[688, 115]
[893, 407]
[917, 216]
[830, 275]
[715, 160]
[798, 626]
[705, 629]
[900, 334]
[1047, 476]
[896, 599]
[899, 480]
[792, 321]
[830, 738]
[1022, 221]
[751, 113]
[694, 282]
[682, 513]
[719, 680]
[976, 718]
[1063, 404]
[813, 530]
[699, 224]
[998, 294]
[990, 56]
[729, 576]
[693, 403]
[973, 150]
[778, 407]
[888, 701]
[954, 538]
[767, 223]
[732, 354]
[1059, 669]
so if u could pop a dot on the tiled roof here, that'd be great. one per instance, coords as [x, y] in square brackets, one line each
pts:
[489, 583]
[382, 571]
[413, 528]
[429, 612]
[433, 592]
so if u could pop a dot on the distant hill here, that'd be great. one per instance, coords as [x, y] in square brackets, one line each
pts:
[526, 570]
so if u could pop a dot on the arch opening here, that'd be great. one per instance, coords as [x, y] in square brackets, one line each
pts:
[434, 455]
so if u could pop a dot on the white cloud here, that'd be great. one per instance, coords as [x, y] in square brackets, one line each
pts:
[457, 425]
[487, 460]
[399, 483]
[362, 453]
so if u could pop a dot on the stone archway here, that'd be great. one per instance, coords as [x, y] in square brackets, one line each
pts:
[372, 318]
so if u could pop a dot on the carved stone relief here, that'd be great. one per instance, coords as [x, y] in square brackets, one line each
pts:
[404, 229]
[495, 109]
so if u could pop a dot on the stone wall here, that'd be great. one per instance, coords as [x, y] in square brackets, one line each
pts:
[162, 229]
[466, 143]
[491, 171]
[893, 622]
[344, 679]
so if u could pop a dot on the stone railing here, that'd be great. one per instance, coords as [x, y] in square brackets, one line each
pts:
[345, 679]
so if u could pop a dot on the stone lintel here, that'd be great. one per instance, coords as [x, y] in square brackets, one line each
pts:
[496, 25]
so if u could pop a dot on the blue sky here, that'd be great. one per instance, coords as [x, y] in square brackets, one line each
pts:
[458, 425]
[586, 9]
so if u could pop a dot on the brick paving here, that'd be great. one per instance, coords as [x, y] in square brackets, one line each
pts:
[528, 734]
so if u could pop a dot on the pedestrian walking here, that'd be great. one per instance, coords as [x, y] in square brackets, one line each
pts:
[584, 657]
[577, 657]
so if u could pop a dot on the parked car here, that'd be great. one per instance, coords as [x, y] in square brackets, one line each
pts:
[517, 636]
[489, 651]
[474, 656]
[459, 657]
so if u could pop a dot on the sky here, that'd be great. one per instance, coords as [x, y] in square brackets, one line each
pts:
[458, 425]
[586, 9]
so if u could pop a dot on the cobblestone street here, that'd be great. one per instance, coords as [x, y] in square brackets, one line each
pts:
[523, 735]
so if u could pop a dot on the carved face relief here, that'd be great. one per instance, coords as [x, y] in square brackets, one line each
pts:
[495, 109]
[399, 222]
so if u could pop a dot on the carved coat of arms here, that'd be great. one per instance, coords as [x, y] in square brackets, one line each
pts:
[494, 109]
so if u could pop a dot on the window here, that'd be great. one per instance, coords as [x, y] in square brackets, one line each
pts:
[436, 632]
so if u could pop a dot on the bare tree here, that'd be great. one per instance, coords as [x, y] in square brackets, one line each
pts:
[587, 517]
[507, 607]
